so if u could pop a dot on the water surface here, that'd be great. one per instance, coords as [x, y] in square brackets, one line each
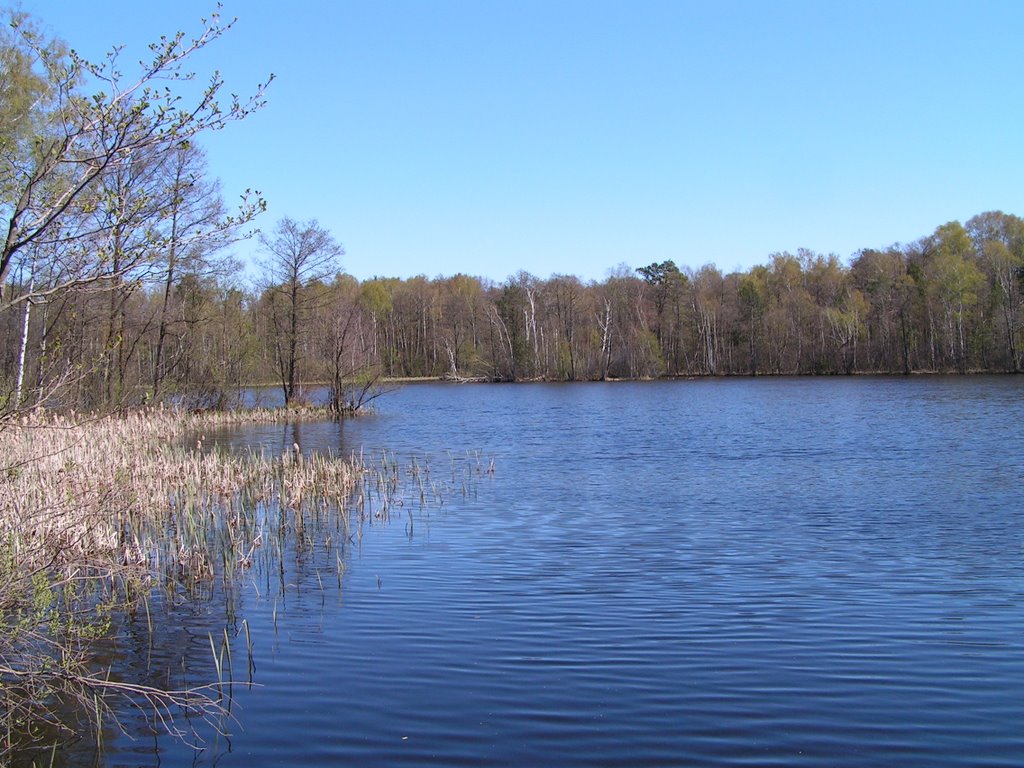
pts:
[770, 572]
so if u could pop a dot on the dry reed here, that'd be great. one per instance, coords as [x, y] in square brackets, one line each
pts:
[96, 512]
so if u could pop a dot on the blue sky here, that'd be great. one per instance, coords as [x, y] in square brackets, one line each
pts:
[570, 136]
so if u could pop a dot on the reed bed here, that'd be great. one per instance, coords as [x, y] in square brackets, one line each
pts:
[109, 492]
[97, 512]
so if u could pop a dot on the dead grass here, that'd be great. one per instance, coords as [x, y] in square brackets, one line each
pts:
[96, 512]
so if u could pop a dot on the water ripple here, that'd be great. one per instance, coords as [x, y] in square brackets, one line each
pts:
[762, 573]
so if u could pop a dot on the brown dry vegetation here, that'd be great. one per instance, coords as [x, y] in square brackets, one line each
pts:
[97, 512]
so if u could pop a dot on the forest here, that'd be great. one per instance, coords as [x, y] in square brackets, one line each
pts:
[117, 284]
[153, 323]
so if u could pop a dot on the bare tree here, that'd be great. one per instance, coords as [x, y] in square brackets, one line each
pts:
[196, 228]
[298, 255]
[50, 182]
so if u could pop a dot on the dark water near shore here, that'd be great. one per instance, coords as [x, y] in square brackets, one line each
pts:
[774, 572]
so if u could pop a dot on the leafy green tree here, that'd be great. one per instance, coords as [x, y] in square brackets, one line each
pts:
[668, 285]
[955, 280]
[26, 96]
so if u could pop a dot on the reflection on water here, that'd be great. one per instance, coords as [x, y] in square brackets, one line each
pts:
[760, 572]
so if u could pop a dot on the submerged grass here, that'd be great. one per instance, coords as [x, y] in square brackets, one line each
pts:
[96, 513]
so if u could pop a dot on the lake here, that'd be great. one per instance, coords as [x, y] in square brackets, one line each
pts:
[739, 572]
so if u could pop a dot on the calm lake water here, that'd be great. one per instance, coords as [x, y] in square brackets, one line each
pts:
[750, 572]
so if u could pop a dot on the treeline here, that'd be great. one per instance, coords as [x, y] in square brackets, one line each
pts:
[115, 287]
[949, 302]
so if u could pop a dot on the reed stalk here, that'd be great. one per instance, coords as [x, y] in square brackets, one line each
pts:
[96, 513]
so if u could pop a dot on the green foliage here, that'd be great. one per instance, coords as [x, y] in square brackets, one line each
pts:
[375, 297]
[661, 274]
[753, 292]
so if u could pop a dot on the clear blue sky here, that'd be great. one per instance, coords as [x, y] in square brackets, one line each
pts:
[569, 136]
